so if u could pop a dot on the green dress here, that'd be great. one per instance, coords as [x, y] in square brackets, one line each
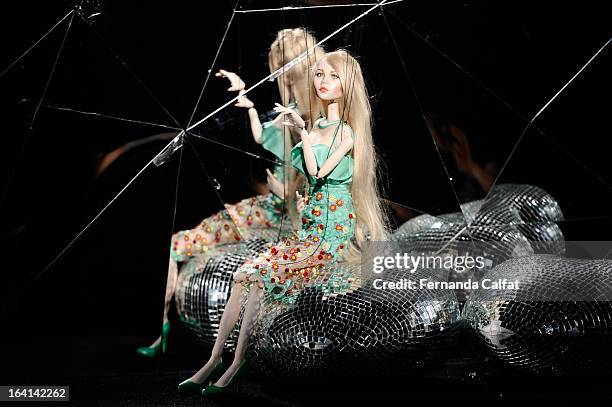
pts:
[309, 257]
[241, 221]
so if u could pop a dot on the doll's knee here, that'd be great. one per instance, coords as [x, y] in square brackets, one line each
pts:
[240, 277]
[177, 240]
[244, 279]
[255, 282]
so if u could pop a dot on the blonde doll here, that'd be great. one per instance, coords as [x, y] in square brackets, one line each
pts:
[244, 219]
[338, 158]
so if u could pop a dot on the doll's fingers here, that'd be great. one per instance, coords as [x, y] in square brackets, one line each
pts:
[237, 84]
[270, 175]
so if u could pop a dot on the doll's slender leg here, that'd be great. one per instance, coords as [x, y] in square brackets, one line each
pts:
[230, 316]
[248, 321]
[170, 288]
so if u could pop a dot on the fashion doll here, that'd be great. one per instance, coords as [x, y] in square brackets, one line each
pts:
[340, 208]
[243, 220]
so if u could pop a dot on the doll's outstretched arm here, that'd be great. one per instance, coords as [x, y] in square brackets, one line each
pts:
[238, 84]
[293, 120]
[256, 128]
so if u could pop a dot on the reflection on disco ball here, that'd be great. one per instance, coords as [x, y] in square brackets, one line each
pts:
[363, 328]
[557, 322]
[515, 220]
[527, 208]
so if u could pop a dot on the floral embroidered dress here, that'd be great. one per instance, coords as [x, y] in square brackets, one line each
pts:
[240, 221]
[309, 257]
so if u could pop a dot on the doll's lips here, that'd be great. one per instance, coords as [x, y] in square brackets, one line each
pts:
[323, 89]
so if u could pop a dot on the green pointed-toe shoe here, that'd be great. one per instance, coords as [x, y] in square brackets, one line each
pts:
[190, 387]
[152, 351]
[214, 390]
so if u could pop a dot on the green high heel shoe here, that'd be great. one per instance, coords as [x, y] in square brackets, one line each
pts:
[152, 351]
[191, 387]
[214, 390]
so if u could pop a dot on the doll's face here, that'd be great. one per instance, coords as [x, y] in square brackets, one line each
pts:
[327, 81]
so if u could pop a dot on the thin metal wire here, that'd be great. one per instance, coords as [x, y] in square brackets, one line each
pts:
[212, 184]
[500, 99]
[542, 110]
[233, 148]
[78, 235]
[130, 71]
[420, 106]
[299, 8]
[38, 104]
[212, 65]
[106, 116]
[176, 188]
[36, 43]
[281, 70]
[180, 135]
[422, 112]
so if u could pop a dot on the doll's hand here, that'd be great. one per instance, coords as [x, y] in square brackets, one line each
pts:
[235, 81]
[299, 203]
[275, 185]
[278, 121]
[243, 101]
[292, 119]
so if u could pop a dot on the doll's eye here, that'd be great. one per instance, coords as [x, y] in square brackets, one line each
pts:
[334, 76]
[318, 74]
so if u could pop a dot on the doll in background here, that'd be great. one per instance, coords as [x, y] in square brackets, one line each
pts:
[341, 207]
[243, 220]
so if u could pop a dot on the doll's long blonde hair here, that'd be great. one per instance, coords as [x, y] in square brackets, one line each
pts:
[354, 108]
[294, 85]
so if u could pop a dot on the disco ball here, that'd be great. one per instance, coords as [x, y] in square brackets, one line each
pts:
[363, 328]
[204, 284]
[510, 207]
[515, 220]
[558, 321]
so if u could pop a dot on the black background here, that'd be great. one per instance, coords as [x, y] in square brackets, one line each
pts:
[109, 285]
